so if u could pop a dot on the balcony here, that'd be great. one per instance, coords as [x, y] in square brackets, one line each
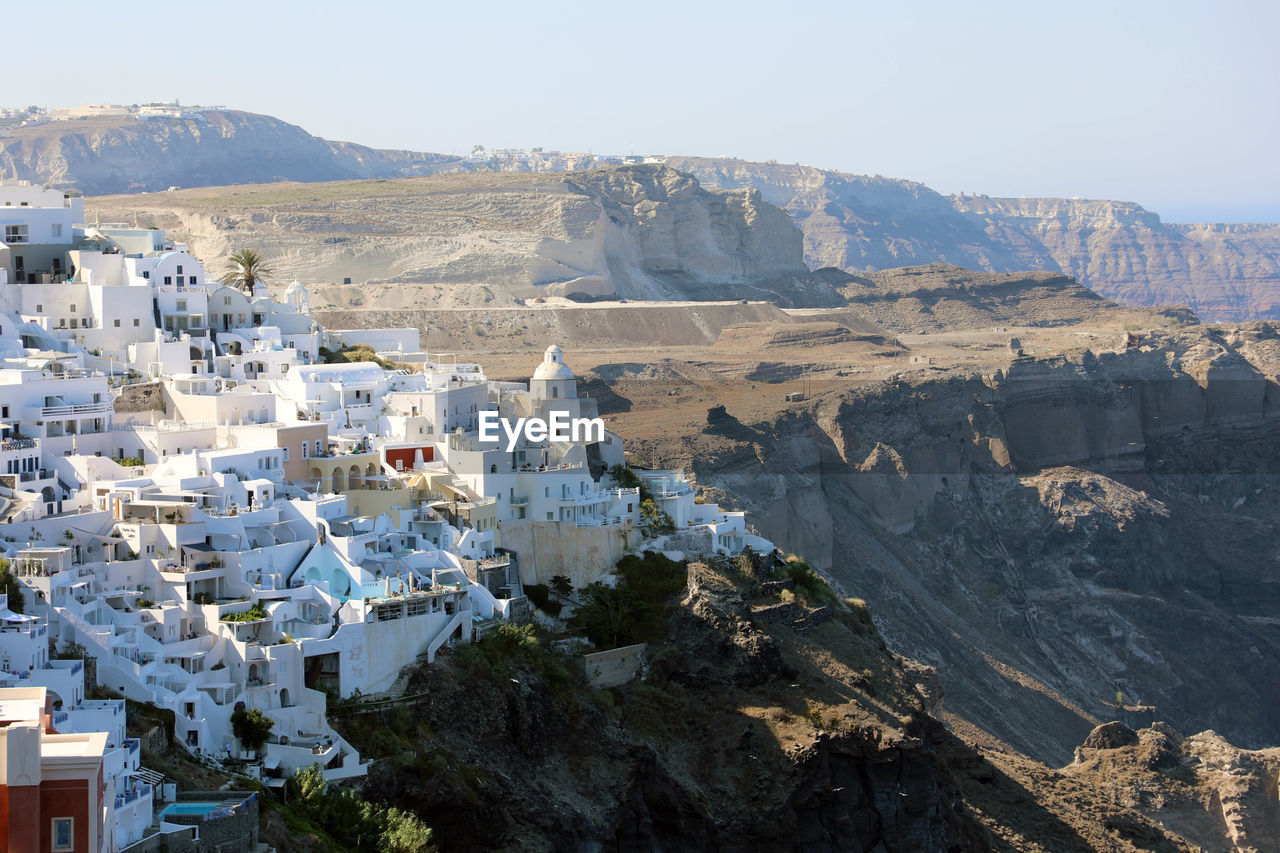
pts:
[19, 444]
[75, 410]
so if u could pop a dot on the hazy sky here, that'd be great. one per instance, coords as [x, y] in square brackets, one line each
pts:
[1169, 104]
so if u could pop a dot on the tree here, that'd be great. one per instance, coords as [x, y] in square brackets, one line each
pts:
[655, 521]
[251, 727]
[561, 585]
[10, 586]
[606, 615]
[244, 267]
[306, 790]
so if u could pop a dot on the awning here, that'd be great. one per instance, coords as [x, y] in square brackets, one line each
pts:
[201, 548]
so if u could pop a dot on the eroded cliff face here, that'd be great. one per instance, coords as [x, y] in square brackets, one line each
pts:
[1223, 272]
[1122, 251]
[489, 238]
[741, 735]
[1049, 537]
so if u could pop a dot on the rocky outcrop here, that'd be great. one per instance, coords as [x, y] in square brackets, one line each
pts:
[1200, 789]
[738, 736]
[1126, 253]
[488, 239]
[114, 155]
[1049, 536]
[1118, 249]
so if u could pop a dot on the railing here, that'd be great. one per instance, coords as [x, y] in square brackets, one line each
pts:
[76, 409]
[19, 444]
[166, 427]
[672, 493]
[32, 476]
[132, 795]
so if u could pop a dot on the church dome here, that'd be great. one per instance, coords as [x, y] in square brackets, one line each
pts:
[553, 366]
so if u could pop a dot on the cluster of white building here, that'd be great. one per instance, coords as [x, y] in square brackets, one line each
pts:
[224, 521]
[540, 160]
[140, 111]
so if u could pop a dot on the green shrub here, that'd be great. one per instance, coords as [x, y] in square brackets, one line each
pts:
[636, 610]
[10, 586]
[540, 595]
[251, 727]
[253, 614]
[808, 581]
[70, 650]
[357, 824]
[655, 521]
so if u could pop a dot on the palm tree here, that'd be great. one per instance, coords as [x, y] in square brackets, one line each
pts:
[244, 267]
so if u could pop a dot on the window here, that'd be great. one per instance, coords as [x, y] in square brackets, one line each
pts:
[57, 230]
[135, 321]
[168, 279]
[226, 300]
[182, 303]
[15, 233]
[63, 833]
[146, 274]
[192, 279]
[179, 269]
[39, 308]
[117, 322]
[181, 279]
[73, 308]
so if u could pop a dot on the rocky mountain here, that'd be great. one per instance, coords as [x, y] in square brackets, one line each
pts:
[854, 223]
[113, 155]
[642, 231]
[857, 223]
[780, 725]
[1049, 535]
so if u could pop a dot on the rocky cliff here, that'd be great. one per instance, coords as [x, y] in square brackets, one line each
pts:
[489, 238]
[1118, 249]
[1047, 536]
[113, 155]
[751, 729]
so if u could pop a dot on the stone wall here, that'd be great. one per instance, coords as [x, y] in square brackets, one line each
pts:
[141, 398]
[613, 667]
[548, 548]
[178, 841]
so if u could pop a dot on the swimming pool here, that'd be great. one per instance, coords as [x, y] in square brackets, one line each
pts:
[190, 808]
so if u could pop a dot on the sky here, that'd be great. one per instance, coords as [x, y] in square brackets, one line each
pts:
[1172, 104]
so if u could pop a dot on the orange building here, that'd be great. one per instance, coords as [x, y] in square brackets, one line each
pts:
[52, 794]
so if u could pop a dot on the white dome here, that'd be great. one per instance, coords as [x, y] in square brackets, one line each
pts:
[553, 370]
[553, 366]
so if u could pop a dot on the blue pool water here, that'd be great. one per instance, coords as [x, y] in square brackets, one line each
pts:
[188, 808]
